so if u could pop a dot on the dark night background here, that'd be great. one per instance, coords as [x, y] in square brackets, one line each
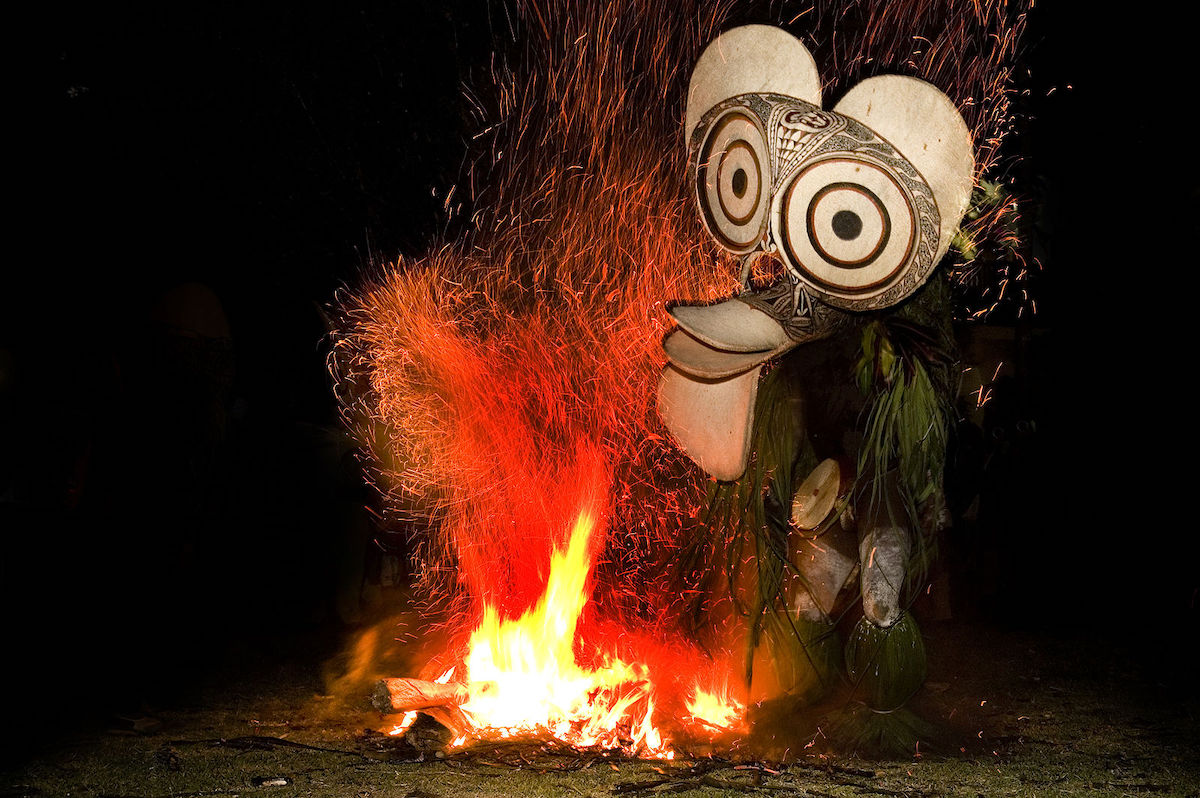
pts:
[169, 502]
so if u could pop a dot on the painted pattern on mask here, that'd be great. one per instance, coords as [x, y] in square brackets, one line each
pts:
[852, 220]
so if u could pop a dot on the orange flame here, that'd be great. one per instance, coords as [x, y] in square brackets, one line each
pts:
[526, 678]
[716, 709]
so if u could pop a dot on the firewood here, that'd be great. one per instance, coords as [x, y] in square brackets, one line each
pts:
[406, 695]
[452, 718]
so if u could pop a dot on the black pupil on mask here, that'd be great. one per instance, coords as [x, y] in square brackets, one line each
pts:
[739, 183]
[846, 224]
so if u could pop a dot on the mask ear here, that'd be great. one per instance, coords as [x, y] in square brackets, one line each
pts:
[926, 127]
[752, 59]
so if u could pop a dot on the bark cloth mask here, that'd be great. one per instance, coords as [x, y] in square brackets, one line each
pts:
[859, 203]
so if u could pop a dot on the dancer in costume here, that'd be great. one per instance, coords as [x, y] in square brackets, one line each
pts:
[858, 204]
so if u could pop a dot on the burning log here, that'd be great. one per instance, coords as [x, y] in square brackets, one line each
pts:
[439, 701]
[406, 695]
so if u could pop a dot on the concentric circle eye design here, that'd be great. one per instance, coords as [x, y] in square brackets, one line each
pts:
[846, 226]
[733, 181]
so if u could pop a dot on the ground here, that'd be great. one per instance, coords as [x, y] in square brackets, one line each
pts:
[1023, 713]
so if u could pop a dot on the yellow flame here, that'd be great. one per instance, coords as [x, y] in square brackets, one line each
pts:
[406, 721]
[525, 678]
[716, 708]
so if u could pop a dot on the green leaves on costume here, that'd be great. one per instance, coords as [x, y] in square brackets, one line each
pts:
[905, 371]
[806, 654]
[990, 218]
[886, 666]
[755, 507]
[909, 416]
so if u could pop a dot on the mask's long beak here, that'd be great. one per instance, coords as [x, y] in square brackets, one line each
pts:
[711, 420]
[707, 392]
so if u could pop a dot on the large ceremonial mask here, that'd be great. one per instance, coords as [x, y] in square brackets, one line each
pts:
[858, 202]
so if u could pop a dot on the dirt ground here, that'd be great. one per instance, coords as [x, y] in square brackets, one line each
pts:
[1021, 714]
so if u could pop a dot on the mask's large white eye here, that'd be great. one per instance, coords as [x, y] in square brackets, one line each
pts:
[847, 226]
[732, 181]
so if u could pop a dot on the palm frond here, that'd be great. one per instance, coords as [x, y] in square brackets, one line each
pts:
[905, 370]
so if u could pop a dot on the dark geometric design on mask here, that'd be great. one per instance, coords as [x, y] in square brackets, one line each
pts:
[879, 269]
